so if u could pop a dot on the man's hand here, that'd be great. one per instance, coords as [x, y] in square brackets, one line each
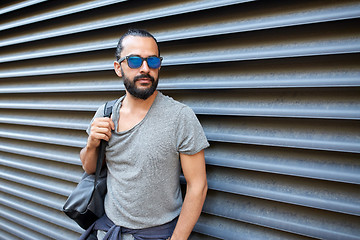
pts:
[100, 130]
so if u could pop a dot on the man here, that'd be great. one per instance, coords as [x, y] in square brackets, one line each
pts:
[148, 133]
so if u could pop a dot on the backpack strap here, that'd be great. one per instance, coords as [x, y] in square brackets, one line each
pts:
[108, 108]
[107, 113]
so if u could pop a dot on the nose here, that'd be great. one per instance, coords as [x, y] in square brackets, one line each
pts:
[144, 67]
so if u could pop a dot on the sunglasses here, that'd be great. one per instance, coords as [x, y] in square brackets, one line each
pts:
[137, 61]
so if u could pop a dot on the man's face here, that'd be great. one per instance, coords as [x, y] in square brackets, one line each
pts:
[145, 90]
[140, 82]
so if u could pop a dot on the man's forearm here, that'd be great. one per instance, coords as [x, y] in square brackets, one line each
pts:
[190, 212]
[88, 157]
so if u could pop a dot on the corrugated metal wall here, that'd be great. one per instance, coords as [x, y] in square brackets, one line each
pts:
[274, 83]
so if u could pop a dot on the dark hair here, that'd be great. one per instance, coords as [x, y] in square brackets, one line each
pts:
[133, 32]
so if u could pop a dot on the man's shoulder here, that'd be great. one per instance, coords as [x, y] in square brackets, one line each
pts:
[170, 102]
[172, 107]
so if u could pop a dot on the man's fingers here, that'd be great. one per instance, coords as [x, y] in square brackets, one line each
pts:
[101, 136]
[106, 131]
[104, 123]
[96, 136]
[100, 130]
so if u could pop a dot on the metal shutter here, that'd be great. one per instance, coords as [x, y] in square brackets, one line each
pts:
[275, 85]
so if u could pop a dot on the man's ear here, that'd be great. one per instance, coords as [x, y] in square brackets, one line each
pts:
[117, 68]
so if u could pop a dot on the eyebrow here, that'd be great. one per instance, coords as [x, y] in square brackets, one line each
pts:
[130, 55]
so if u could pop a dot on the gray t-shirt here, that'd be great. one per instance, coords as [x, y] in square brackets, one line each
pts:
[143, 163]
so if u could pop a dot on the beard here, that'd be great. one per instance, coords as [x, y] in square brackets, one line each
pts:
[141, 93]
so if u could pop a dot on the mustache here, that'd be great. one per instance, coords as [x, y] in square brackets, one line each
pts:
[144, 76]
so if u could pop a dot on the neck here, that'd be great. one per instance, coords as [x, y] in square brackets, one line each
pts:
[136, 104]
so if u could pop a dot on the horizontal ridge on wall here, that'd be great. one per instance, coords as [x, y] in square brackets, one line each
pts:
[282, 217]
[263, 53]
[329, 166]
[116, 21]
[298, 105]
[50, 169]
[42, 151]
[29, 221]
[59, 13]
[258, 188]
[294, 137]
[41, 197]
[327, 15]
[20, 5]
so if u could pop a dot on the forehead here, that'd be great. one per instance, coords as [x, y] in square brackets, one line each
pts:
[142, 46]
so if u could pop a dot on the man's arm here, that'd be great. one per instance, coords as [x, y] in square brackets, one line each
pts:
[194, 170]
[100, 129]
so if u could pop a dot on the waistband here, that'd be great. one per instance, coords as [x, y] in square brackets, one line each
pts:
[114, 232]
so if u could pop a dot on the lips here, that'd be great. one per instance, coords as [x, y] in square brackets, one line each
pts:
[144, 79]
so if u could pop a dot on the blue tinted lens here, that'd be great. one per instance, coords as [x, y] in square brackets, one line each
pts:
[134, 61]
[153, 62]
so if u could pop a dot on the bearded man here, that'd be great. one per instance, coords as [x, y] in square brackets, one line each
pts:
[151, 138]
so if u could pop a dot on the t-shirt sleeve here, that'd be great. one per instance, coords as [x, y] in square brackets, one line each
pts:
[99, 113]
[190, 135]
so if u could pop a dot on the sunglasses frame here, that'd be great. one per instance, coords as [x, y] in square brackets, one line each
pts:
[142, 62]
